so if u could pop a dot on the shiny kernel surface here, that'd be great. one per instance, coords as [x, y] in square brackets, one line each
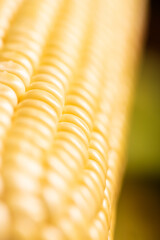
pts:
[67, 71]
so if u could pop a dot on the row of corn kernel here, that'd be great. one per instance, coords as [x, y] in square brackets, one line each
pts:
[14, 63]
[106, 214]
[36, 116]
[21, 53]
[8, 9]
[69, 152]
[19, 56]
[100, 226]
[70, 146]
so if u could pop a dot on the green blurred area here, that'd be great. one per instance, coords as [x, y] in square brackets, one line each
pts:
[144, 141]
[139, 205]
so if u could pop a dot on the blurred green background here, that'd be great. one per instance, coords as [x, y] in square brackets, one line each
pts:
[139, 204]
[144, 139]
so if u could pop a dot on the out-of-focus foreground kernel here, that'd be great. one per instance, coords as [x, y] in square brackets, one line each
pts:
[66, 80]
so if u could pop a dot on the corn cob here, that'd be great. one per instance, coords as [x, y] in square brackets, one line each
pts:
[66, 78]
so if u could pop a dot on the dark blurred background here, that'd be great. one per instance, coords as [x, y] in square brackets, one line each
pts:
[139, 204]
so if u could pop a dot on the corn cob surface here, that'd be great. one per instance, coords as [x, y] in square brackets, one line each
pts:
[66, 80]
